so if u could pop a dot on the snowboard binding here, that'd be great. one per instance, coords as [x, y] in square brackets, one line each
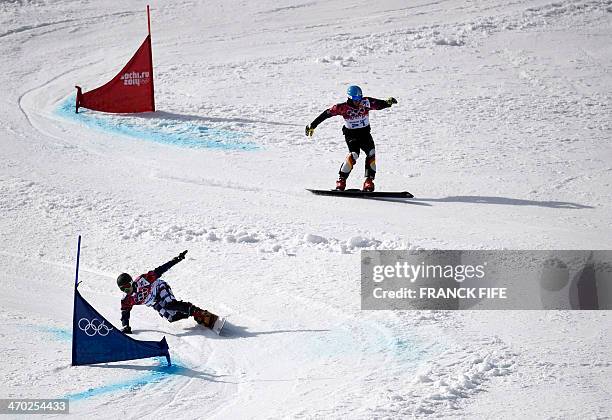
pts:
[203, 317]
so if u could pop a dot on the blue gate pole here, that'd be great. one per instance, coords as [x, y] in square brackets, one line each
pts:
[76, 280]
[76, 284]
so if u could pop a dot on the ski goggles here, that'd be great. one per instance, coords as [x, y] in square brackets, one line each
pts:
[127, 288]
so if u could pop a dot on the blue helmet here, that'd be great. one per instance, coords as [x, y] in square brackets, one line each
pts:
[354, 93]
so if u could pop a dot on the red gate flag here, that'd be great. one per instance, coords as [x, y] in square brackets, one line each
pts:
[129, 91]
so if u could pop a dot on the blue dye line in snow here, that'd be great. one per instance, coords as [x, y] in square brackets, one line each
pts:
[157, 374]
[60, 334]
[410, 351]
[175, 132]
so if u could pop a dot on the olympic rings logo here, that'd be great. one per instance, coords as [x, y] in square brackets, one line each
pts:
[94, 327]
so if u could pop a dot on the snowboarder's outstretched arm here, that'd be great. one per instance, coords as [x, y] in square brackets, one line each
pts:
[125, 322]
[322, 117]
[310, 128]
[344, 109]
[376, 104]
[126, 308]
[167, 266]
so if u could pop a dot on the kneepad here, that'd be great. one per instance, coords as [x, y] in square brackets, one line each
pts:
[349, 162]
[352, 157]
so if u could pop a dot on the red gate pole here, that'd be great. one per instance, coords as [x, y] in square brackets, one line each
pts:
[148, 20]
[151, 59]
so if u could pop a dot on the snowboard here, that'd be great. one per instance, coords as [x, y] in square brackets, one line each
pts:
[218, 325]
[363, 194]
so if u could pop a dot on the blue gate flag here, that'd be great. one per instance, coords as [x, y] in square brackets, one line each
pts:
[95, 340]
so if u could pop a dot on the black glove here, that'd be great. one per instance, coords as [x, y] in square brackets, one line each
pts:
[181, 256]
[391, 101]
[126, 330]
[309, 131]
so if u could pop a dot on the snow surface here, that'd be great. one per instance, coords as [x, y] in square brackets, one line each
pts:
[502, 132]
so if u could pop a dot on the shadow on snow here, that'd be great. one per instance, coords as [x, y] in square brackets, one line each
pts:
[475, 199]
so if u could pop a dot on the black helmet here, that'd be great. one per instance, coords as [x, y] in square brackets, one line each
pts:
[123, 280]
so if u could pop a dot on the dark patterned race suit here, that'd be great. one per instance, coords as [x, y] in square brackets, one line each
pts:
[151, 290]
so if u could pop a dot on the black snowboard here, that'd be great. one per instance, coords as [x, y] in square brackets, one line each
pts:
[363, 194]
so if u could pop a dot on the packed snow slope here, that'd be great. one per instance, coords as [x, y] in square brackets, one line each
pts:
[502, 132]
